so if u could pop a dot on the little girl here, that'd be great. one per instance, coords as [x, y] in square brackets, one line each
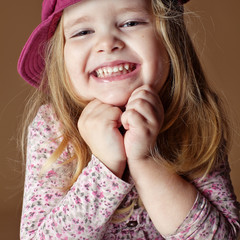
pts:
[125, 138]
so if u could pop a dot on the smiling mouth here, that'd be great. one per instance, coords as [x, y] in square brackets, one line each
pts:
[117, 70]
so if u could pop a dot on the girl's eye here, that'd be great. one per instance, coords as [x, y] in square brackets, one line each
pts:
[83, 33]
[132, 23]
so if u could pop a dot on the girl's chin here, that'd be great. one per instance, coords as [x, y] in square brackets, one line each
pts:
[111, 97]
[115, 98]
[121, 103]
[116, 102]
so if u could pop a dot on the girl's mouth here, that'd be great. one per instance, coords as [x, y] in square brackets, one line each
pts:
[114, 71]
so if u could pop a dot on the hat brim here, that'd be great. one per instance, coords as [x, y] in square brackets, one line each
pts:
[31, 62]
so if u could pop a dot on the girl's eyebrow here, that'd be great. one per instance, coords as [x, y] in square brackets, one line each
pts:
[76, 21]
[133, 9]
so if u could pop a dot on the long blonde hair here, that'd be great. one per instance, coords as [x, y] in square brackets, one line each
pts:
[195, 131]
[195, 134]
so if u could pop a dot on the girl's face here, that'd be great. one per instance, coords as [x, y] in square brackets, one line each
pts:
[111, 49]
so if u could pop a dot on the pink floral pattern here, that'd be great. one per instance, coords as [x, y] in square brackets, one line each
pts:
[86, 210]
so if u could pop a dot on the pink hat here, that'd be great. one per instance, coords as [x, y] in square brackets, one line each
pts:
[31, 61]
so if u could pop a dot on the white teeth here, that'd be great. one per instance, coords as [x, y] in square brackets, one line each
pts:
[107, 71]
[100, 71]
[126, 66]
[120, 68]
[110, 70]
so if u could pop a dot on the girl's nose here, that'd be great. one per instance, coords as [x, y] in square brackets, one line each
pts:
[108, 44]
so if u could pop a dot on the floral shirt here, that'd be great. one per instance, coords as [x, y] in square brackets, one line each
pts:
[85, 211]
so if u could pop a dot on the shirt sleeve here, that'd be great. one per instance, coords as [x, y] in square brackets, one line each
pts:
[79, 213]
[215, 213]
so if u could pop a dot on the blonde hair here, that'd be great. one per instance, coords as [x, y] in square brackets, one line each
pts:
[195, 131]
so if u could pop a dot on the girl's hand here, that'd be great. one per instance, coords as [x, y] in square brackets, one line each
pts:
[98, 126]
[142, 121]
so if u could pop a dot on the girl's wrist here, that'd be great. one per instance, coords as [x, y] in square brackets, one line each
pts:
[117, 169]
[138, 167]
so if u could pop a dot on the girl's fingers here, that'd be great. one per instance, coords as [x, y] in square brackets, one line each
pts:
[97, 109]
[94, 106]
[147, 103]
[144, 108]
[132, 118]
[145, 92]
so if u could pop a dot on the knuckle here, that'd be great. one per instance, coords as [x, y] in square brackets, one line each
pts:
[141, 103]
[131, 113]
[146, 92]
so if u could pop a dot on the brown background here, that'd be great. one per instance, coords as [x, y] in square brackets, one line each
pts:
[216, 32]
